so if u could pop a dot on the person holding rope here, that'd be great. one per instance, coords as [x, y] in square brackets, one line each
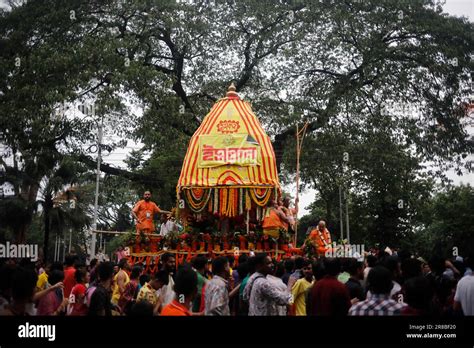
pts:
[143, 213]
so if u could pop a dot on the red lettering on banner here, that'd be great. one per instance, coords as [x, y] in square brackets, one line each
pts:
[228, 127]
[229, 155]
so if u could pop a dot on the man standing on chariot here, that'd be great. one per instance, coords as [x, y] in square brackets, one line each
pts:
[143, 213]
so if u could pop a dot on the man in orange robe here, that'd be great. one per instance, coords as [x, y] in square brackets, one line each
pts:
[144, 211]
[274, 219]
[321, 238]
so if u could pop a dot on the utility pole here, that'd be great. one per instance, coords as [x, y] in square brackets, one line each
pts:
[97, 183]
[341, 221]
[70, 239]
[347, 217]
[345, 158]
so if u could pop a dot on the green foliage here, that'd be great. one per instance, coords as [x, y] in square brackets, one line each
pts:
[347, 63]
[450, 221]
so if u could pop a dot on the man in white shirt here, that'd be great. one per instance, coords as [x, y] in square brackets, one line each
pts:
[167, 225]
[464, 297]
[166, 292]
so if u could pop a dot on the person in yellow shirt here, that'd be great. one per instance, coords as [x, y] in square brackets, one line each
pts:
[42, 280]
[298, 290]
[121, 280]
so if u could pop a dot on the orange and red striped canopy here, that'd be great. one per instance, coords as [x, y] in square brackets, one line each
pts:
[229, 149]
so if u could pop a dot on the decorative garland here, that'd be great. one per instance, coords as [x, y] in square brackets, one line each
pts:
[261, 199]
[241, 201]
[229, 204]
[223, 201]
[216, 201]
[197, 202]
[248, 201]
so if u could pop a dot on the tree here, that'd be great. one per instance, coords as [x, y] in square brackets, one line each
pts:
[173, 60]
[448, 223]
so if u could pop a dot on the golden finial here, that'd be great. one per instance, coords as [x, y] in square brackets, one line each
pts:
[231, 93]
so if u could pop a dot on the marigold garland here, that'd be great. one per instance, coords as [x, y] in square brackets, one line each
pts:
[216, 201]
[261, 200]
[197, 204]
[248, 202]
[241, 201]
[223, 201]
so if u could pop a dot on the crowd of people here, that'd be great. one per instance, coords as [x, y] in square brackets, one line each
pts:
[381, 285]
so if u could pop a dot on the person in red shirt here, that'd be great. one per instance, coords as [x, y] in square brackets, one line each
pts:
[143, 213]
[185, 287]
[69, 275]
[330, 297]
[77, 299]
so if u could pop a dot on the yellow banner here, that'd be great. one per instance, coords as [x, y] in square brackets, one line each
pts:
[236, 149]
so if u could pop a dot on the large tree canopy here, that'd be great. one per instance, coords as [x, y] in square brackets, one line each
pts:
[154, 69]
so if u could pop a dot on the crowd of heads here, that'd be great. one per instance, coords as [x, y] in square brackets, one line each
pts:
[416, 286]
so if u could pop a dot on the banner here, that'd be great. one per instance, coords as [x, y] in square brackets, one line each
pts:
[236, 149]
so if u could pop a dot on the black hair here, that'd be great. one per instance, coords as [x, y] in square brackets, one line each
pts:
[231, 260]
[56, 277]
[243, 258]
[332, 266]
[218, 265]
[6, 275]
[122, 263]
[352, 265]
[80, 275]
[391, 263]
[162, 277]
[371, 261]
[105, 270]
[306, 262]
[289, 265]
[251, 265]
[23, 283]
[199, 262]
[165, 257]
[318, 270]
[56, 266]
[419, 293]
[469, 262]
[379, 280]
[70, 259]
[299, 262]
[404, 254]
[141, 309]
[411, 268]
[279, 269]
[93, 263]
[259, 259]
[185, 282]
[437, 265]
[135, 273]
[460, 267]
[144, 278]
[243, 270]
